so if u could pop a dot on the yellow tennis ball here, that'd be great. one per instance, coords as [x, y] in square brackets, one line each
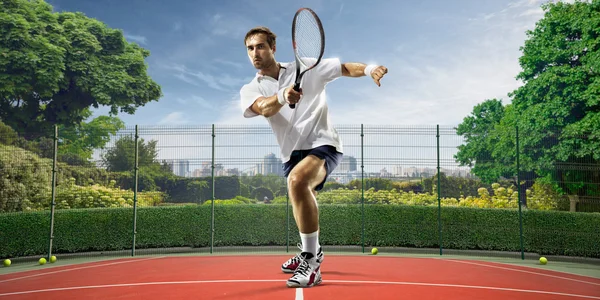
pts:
[374, 251]
[42, 261]
[543, 260]
[7, 262]
[52, 259]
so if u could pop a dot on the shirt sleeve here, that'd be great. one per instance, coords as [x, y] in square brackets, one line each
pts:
[329, 69]
[248, 95]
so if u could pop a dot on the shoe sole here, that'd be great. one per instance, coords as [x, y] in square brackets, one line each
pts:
[293, 284]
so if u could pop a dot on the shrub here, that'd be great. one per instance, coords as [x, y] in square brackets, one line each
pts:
[26, 180]
[80, 230]
[70, 195]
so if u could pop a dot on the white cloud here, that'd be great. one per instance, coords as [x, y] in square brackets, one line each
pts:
[196, 45]
[136, 38]
[441, 83]
[532, 12]
[202, 102]
[183, 77]
[220, 81]
[231, 113]
[228, 63]
[230, 25]
[174, 118]
[432, 79]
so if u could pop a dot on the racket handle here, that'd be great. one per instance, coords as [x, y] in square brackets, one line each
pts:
[297, 89]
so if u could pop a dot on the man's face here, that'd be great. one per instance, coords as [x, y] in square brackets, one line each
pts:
[259, 52]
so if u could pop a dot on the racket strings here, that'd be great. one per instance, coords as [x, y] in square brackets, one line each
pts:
[307, 38]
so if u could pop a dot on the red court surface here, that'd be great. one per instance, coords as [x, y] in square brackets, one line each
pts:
[259, 277]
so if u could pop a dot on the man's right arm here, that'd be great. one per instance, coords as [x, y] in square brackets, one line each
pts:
[267, 106]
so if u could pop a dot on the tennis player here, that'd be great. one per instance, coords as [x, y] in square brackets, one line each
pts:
[310, 147]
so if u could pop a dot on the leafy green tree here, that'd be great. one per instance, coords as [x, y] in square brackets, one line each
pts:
[557, 109]
[121, 157]
[478, 130]
[8, 136]
[272, 182]
[55, 66]
[197, 189]
[79, 142]
[376, 183]
[262, 192]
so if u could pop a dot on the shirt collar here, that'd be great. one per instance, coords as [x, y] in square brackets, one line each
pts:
[283, 66]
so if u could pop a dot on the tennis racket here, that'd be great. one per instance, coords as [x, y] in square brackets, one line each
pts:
[308, 41]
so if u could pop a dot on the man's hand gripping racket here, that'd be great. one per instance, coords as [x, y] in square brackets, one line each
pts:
[308, 41]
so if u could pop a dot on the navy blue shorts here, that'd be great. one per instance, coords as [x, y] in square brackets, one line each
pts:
[331, 156]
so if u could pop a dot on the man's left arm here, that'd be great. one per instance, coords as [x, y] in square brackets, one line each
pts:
[353, 69]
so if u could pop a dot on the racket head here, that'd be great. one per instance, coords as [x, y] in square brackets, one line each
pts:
[308, 40]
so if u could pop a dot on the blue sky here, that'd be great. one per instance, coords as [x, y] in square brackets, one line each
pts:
[444, 57]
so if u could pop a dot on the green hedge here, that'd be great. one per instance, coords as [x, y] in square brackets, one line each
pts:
[79, 230]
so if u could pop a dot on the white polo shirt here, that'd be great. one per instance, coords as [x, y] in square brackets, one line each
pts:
[308, 125]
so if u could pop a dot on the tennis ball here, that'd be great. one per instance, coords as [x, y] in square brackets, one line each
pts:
[543, 260]
[7, 262]
[52, 259]
[42, 261]
[374, 251]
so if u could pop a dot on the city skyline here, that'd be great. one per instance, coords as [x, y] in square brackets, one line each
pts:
[347, 170]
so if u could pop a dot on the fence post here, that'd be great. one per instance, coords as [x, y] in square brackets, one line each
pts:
[287, 224]
[53, 204]
[519, 195]
[135, 190]
[362, 176]
[212, 210]
[439, 188]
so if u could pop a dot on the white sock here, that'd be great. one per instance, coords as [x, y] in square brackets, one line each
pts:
[310, 242]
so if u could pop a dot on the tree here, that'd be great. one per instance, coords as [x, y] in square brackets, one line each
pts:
[121, 157]
[77, 143]
[478, 152]
[557, 109]
[55, 66]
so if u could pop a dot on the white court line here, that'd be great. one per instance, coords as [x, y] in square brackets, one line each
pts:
[279, 280]
[79, 268]
[523, 271]
[299, 294]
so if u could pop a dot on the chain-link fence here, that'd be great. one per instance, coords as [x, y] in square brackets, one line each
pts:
[221, 188]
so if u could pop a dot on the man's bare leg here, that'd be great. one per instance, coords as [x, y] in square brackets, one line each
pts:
[302, 180]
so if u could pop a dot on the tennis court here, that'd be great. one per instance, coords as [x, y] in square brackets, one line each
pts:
[258, 277]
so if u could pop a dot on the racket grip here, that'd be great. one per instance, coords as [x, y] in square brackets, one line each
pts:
[297, 89]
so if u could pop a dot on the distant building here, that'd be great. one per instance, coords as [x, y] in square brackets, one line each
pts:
[271, 165]
[348, 164]
[181, 167]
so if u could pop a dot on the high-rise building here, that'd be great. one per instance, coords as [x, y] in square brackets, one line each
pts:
[180, 167]
[348, 164]
[271, 165]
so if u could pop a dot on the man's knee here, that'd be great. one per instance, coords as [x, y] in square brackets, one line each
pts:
[297, 180]
[307, 175]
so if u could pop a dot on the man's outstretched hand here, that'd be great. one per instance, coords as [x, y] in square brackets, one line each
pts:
[378, 73]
